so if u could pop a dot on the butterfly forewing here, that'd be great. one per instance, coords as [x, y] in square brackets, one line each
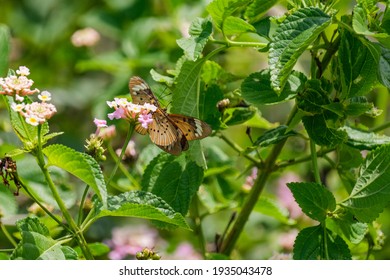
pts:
[141, 92]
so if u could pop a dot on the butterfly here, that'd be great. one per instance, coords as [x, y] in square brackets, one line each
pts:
[170, 132]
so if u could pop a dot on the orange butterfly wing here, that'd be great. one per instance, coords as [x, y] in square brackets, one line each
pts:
[192, 128]
[170, 132]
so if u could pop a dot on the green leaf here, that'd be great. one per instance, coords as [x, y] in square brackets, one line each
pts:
[322, 134]
[8, 205]
[360, 23]
[173, 179]
[219, 10]
[200, 31]
[371, 193]
[309, 245]
[274, 136]
[348, 157]
[161, 78]
[357, 106]
[36, 243]
[384, 67]
[208, 110]
[81, 165]
[315, 96]
[258, 8]
[257, 90]
[4, 49]
[236, 26]
[315, 200]
[365, 140]
[347, 226]
[238, 115]
[358, 66]
[291, 39]
[270, 207]
[140, 204]
[185, 97]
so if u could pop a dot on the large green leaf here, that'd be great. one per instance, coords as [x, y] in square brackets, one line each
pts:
[322, 133]
[81, 165]
[309, 245]
[291, 39]
[347, 226]
[173, 179]
[200, 31]
[365, 140]
[236, 26]
[36, 243]
[315, 200]
[358, 66]
[139, 204]
[371, 193]
[256, 88]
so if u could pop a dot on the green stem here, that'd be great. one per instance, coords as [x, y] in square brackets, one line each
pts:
[115, 157]
[314, 161]
[41, 162]
[239, 150]
[118, 161]
[194, 212]
[251, 200]
[287, 163]
[80, 217]
[326, 253]
[8, 235]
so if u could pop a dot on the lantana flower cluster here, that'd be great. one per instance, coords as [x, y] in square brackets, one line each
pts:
[123, 109]
[19, 86]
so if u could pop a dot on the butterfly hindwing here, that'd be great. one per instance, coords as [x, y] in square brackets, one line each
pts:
[192, 128]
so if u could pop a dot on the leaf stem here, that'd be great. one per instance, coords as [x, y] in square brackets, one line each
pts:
[118, 161]
[80, 216]
[41, 162]
[8, 235]
[314, 161]
[252, 198]
[194, 211]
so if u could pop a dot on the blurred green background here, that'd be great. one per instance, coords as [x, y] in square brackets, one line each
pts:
[132, 37]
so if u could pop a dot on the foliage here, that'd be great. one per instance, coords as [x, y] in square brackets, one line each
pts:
[317, 109]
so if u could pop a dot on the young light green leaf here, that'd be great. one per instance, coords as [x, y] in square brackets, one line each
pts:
[81, 165]
[140, 204]
[161, 78]
[236, 26]
[358, 67]
[315, 200]
[274, 136]
[200, 31]
[219, 10]
[173, 179]
[4, 49]
[256, 88]
[36, 243]
[270, 207]
[309, 245]
[291, 39]
[258, 8]
[371, 193]
[364, 140]
[360, 23]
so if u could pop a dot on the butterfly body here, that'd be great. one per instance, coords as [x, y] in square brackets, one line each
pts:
[170, 132]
